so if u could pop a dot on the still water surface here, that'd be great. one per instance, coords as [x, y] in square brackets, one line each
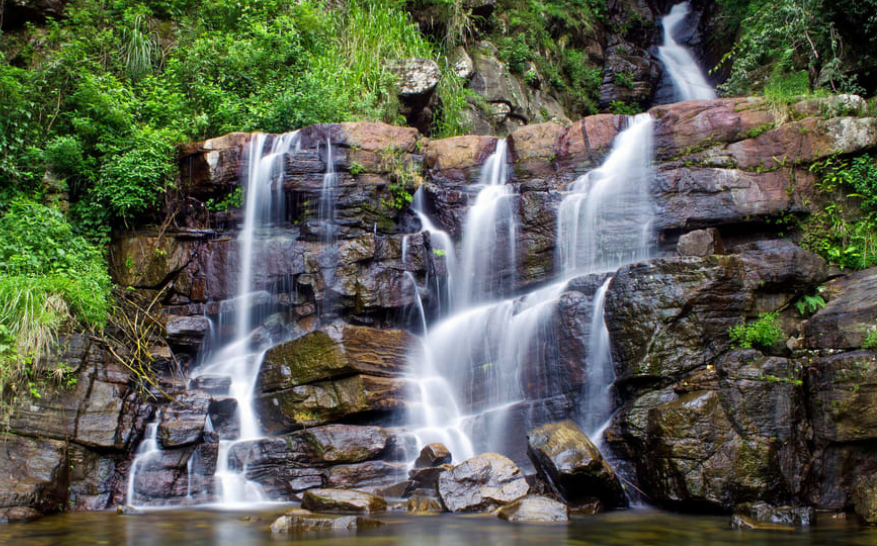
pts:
[214, 528]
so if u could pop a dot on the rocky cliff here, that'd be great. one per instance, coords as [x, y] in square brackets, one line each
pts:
[719, 426]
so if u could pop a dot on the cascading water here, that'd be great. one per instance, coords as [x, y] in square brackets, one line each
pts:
[470, 377]
[489, 236]
[689, 82]
[443, 247]
[240, 357]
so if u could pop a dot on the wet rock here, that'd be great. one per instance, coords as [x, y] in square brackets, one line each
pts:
[433, 455]
[630, 75]
[183, 421]
[742, 522]
[693, 197]
[337, 444]
[423, 503]
[700, 243]
[851, 311]
[842, 394]
[224, 417]
[368, 476]
[298, 520]
[180, 476]
[334, 351]
[864, 497]
[186, 332]
[670, 316]
[214, 385]
[427, 477]
[397, 490]
[481, 484]
[32, 477]
[778, 515]
[727, 434]
[327, 401]
[340, 500]
[572, 465]
[127, 510]
[463, 67]
[534, 510]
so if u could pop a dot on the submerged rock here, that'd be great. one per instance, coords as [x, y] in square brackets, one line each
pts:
[481, 484]
[298, 520]
[534, 510]
[342, 500]
[762, 513]
[567, 459]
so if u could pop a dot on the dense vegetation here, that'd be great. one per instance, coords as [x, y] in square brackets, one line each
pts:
[93, 105]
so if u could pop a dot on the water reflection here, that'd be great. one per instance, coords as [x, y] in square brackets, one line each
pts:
[215, 528]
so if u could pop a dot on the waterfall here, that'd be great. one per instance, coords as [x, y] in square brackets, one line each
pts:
[689, 82]
[239, 357]
[442, 246]
[489, 235]
[470, 377]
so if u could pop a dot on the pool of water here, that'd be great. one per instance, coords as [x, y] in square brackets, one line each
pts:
[214, 528]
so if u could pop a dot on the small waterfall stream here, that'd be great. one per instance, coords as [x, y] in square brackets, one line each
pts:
[470, 375]
[688, 79]
[239, 356]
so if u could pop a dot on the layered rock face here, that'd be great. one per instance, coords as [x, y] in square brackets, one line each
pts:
[702, 424]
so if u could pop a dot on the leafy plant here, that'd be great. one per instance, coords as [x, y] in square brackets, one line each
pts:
[809, 304]
[763, 333]
[233, 200]
[622, 108]
[870, 342]
[624, 79]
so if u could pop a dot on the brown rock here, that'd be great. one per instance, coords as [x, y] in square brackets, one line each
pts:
[482, 483]
[433, 455]
[534, 510]
[341, 500]
[701, 242]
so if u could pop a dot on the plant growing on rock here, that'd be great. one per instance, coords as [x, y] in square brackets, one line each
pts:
[762, 333]
[809, 304]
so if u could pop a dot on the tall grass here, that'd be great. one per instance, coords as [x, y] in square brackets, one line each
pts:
[368, 38]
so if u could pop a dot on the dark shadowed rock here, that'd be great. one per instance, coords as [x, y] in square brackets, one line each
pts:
[864, 499]
[421, 502]
[700, 243]
[433, 455]
[214, 385]
[341, 500]
[572, 465]
[186, 332]
[850, 313]
[427, 477]
[534, 510]
[336, 444]
[481, 484]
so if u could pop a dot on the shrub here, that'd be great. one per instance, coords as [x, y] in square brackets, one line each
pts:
[763, 333]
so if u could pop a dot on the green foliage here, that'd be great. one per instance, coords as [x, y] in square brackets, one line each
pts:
[624, 79]
[233, 200]
[622, 108]
[552, 35]
[843, 235]
[809, 304]
[790, 47]
[763, 333]
[49, 276]
[870, 342]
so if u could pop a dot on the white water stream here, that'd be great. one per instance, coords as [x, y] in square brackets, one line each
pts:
[689, 82]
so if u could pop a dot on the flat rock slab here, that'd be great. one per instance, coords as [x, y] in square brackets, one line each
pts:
[299, 520]
[342, 500]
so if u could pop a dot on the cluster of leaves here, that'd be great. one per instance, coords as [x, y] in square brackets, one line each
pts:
[551, 35]
[49, 276]
[763, 333]
[796, 46]
[843, 234]
[233, 200]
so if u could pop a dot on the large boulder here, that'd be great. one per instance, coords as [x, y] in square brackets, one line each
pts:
[732, 432]
[433, 455]
[481, 484]
[850, 313]
[534, 510]
[573, 466]
[340, 500]
[334, 351]
[670, 316]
